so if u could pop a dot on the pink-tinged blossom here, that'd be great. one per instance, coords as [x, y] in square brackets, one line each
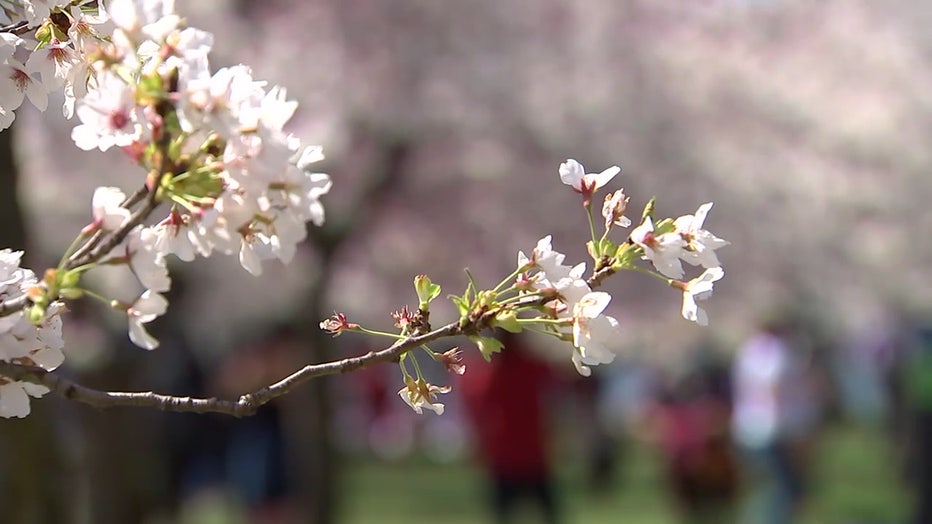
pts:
[17, 81]
[452, 360]
[174, 238]
[574, 175]
[664, 251]
[53, 63]
[699, 288]
[222, 97]
[700, 244]
[337, 324]
[109, 116]
[254, 248]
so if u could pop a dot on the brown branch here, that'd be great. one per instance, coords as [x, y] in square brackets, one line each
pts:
[83, 251]
[13, 305]
[596, 279]
[104, 247]
[246, 404]
[97, 246]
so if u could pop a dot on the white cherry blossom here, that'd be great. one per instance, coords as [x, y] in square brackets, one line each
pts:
[17, 81]
[14, 399]
[145, 309]
[53, 63]
[699, 288]
[573, 174]
[109, 116]
[107, 208]
[664, 251]
[613, 209]
[147, 263]
[700, 244]
[420, 395]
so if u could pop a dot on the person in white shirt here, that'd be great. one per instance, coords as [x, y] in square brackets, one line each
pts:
[774, 410]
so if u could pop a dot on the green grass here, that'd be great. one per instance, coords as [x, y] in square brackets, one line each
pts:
[855, 479]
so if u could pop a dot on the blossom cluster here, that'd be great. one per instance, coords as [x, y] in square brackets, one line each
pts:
[686, 242]
[212, 146]
[574, 301]
[138, 79]
[24, 341]
[579, 310]
[243, 185]
[558, 299]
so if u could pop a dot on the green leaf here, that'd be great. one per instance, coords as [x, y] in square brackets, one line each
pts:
[664, 226]
[626, 255]
[649, 209]
[462, 305]
[487, 346]
[507, 320]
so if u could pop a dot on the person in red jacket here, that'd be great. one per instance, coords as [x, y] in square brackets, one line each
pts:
[504, 400]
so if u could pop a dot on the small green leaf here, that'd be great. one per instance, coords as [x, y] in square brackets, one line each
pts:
[649, 209]
[487, 346]
[462, 306]
[664, 226]
[507, 320]
[427, 291]
[626, 255]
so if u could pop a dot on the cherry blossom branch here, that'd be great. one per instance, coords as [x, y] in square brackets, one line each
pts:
[246, 404]
[118, 236]
[82, 253]
[97, 246]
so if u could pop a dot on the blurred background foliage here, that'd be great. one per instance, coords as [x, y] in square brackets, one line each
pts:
[443, 125]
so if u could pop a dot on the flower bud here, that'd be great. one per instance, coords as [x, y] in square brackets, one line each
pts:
[426, 291]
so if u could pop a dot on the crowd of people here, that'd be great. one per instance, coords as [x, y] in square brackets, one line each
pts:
[737, 429]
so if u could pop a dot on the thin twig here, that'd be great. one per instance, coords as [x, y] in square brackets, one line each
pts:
[92, 242]
[246, 404]
[117, 237]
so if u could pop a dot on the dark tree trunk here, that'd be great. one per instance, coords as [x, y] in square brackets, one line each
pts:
[318, 456]
[30, 475]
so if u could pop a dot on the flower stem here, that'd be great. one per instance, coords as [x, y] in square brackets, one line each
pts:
[395, 336]
[654, 274]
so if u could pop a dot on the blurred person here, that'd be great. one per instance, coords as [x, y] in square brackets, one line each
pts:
[917, 372]
[504, 400]
[255, 467]
[601, 448]
[775, 417]
[690, 422]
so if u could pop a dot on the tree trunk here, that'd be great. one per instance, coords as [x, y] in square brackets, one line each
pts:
[30, 471]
